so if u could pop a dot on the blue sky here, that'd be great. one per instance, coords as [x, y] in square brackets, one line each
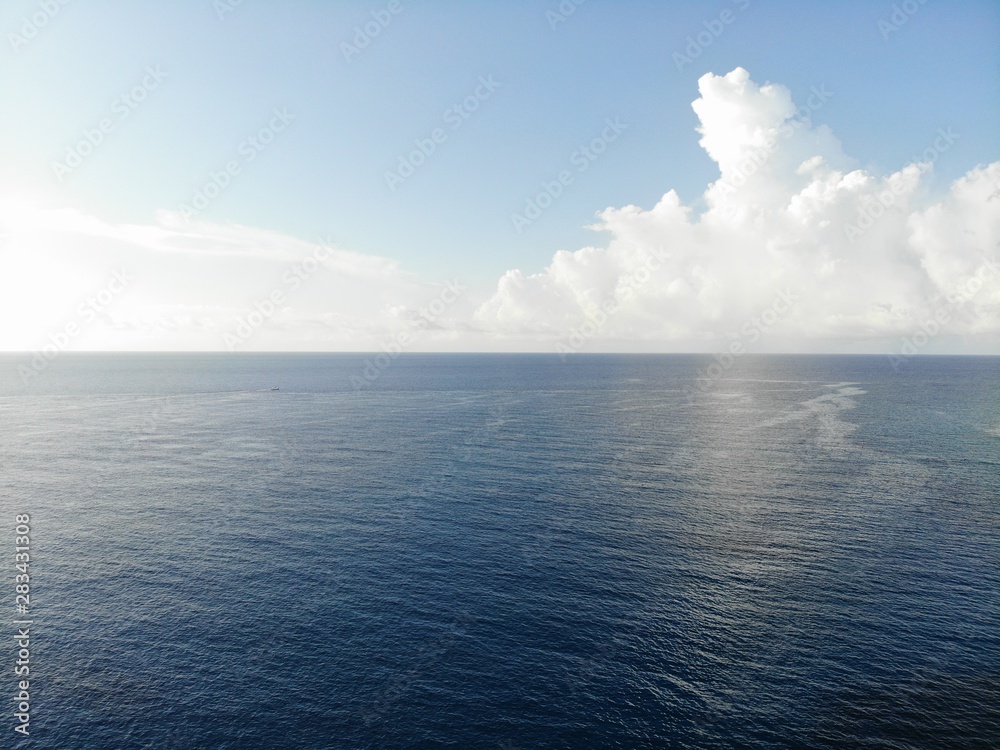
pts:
[325, 174]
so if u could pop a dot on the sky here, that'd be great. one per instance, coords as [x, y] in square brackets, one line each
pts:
[575, 176]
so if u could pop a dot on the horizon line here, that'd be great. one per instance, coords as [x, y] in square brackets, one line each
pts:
[482, 353]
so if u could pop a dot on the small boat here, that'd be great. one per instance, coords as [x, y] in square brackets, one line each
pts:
[274, 388]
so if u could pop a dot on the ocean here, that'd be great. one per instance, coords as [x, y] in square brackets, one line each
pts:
[502, 551]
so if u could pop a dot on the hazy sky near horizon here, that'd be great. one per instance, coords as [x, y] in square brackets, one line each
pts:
[536, 176]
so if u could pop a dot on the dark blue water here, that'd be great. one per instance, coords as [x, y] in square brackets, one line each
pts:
[505, 552]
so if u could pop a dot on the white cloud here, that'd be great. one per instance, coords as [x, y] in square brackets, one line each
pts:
[869, 256]
[192, 283]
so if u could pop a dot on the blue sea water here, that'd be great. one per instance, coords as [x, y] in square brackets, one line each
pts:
[489, 551]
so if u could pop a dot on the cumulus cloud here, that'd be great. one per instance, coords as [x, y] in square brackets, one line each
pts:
[828, 256]
[868, 257]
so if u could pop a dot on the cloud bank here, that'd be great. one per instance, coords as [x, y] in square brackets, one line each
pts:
[870, 258]
[198, 286]
[792, 248]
